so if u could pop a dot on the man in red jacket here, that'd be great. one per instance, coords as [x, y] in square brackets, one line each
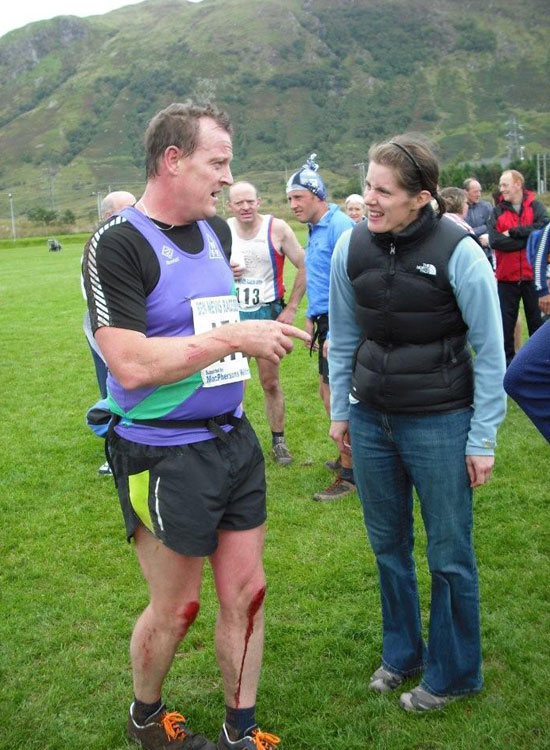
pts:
[512, 221]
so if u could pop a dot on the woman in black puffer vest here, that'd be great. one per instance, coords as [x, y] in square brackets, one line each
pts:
[411, 294]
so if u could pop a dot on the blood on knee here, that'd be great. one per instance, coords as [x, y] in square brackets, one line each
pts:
[186, 617]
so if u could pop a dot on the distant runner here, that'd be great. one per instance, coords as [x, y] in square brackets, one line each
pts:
[307, 197]
[260, 244]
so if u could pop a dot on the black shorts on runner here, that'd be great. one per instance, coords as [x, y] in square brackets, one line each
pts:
[320, 327]
[184, 493]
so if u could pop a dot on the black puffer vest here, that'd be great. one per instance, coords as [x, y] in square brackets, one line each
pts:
[413, 355]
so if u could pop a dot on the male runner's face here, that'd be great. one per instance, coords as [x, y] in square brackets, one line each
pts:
[304, 205]
[244, 203]
[203, 175]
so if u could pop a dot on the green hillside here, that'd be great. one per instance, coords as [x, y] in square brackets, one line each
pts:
[330, 76]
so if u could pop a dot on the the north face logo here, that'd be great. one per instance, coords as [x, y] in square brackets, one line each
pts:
[427, 269]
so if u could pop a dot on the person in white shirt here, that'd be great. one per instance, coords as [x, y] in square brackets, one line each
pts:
[260, 244]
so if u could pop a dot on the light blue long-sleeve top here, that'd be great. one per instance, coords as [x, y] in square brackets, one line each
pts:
[475, 289]
[323, 237]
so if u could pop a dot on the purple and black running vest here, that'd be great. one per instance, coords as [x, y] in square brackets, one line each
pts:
[183, 277]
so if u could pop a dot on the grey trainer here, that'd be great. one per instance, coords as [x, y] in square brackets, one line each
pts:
[420, 701]
[384, 681]
[281, 454]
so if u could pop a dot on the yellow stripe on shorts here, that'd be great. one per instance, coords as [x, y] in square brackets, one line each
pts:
[139, 497]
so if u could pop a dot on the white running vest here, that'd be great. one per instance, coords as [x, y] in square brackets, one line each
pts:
[262, 281]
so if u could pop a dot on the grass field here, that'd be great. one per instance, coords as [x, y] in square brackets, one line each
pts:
[71, 590]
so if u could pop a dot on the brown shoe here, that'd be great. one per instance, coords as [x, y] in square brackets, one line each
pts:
[337, 490]
[166, 731]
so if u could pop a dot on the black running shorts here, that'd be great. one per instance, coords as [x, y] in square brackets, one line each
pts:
[321, 331]
[183, 494]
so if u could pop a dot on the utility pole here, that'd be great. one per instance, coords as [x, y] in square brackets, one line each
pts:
[541, 172]
[50, 174]
[10, 196]
[515, 149]
[362, 174]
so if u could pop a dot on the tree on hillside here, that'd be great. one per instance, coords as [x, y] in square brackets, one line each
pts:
[42, 215]
[488, 175]
[67, 217]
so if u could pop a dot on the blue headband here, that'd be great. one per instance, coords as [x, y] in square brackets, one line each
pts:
[308, 178]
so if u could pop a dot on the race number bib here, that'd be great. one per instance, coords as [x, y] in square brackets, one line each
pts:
[250, 293]
[209, 313]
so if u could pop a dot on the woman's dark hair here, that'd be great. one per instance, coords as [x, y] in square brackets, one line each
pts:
[414, 164]
[178, 125]
[454, 199]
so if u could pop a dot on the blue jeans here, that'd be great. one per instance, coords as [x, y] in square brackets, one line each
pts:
[391, 454]
[527, 380]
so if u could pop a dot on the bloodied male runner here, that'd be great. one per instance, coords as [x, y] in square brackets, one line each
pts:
[188, 467]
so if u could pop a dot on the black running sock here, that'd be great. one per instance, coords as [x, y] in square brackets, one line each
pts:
[277, 437]
[239, 720]
[142, 711]
[347, 474]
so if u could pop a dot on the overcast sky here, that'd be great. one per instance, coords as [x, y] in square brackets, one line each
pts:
[17, 13]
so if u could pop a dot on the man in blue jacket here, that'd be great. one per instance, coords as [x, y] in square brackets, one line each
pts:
[307, 197]
[478, 212]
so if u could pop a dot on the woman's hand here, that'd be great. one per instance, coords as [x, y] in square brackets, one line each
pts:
[479, 469]
[339, 432]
